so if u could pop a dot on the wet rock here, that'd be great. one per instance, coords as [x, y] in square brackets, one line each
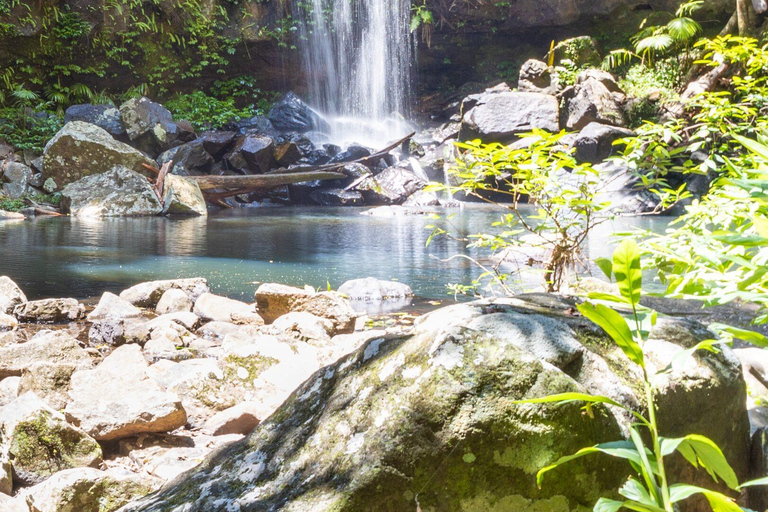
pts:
[499, 117]
[55, 347]
[623, 189]
[119, 399]
[287, 153]
[239, 419]
[50, 311]
[391, 186]
[290, 114]
[251, 154]
[212, 307]
[275, 300]
[10, 295]
[149, 125]
[190, 159]
[88, 490]
[119, 192]
[216, 143]
[422, 199]
[147, 295]
[174, 301]
[372, 289]
[256, 124]
[82, 149]
[352, 153]
[106, 117]
[594, 143]
[337, 197]
[592, 102]
[112, 306]
[39, 442]
[183, 197]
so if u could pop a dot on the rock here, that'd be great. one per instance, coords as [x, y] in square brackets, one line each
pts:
[217, 331]
[422, 199]
[39, 442]
[304, 326]
[9, 391]
[372, 289]
[119, 399]
[290, 114]
[581, 51]
[183, 197]
[275, 300]
[592, 102]
[82, 149]
[185, 319]
[537, 76]
[147, 295]
[112, 306]
[88, 490]
[212, 307]
[7, 322]
[337, 197]
[18, 177]
[118, 331]
[106, 117]
[410, 401]
[10, 295]
[239, 419]
[5, 215]
[604, 77]
[50, 311]
[623, 189]
[50, 381]
[9, 504]
[190, 159]
[251, 154]
[56, 347]
[391, 186]
[149, 125]
[594, 143]
[287, 154]
[499, 117]
[6, 482]
[174, 300]
[217, 143]
[119, 192]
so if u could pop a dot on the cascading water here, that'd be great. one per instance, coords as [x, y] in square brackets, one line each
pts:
[358, 56]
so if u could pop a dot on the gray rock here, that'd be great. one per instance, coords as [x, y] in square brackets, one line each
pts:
[499, 117]
[391, 186]
[18, 177]
[112, 306]
[9, 391]
[623, 189]
[149, 125]
[39, 442]
[183, 197]
[212, 307]
[82, 149]
[190, 159]
[304, 326]
[50, 310]
[594, 143]
[9, 504]
[372, 289]
[290, 114]
[50, 381]
[174, 300]
[106, 117]
[274, 300]
[537, 76]
[49, 346]
[592, 102]
[118, 331]
[118, 399]
[251, 154]
[119, 192]
[10, 295]
[146, 295]
[217, 143]
[337, 197]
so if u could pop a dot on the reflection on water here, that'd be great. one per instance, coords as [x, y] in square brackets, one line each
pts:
[235, 250]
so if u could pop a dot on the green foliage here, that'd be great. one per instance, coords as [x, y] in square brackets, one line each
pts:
[422, 17]
[15, 205]
[24, 129]
[546, 175]
[650, 489]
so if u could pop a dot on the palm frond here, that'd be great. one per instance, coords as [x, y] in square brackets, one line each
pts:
[688, 8]
[617, 58]
[654, 44]
[683, 29]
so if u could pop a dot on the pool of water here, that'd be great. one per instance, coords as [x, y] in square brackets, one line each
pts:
[235, 250]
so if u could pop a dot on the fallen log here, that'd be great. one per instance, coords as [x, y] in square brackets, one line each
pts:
[261, 181]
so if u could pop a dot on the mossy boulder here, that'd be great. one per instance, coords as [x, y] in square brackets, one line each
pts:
[39, 442]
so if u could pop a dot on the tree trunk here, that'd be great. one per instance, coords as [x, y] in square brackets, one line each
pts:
[746, 17]
[262, 181]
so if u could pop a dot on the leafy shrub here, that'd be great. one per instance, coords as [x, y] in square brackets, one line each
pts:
[206, 112]
[25, 129]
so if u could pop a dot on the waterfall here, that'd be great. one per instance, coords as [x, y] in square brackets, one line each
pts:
[357, 55]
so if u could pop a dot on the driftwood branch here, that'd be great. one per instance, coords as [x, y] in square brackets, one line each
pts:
[160, 181]
[261, 181]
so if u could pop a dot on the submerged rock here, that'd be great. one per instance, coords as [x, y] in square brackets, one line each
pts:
[119, 192]
[82, 149]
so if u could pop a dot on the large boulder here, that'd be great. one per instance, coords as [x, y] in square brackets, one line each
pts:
[216, 143]
[88, 490]
[147, 295]
[82, 149]
[251, 154]
[591, 101]
[50, 311]
[190, 159]
[106, 117]
[391, 186]
[112, 306]
[498, 117]
[39, 442]
[10, 295]
[55, 347]
[623, 189]
[372, 289]
[17, 177]
[594, 143]
[537, 76]
[150, 125]
[427, 420]
[210, 307]
[290, 114]
[182, 196]
[118, 398]
[275, 300]
[119, 192]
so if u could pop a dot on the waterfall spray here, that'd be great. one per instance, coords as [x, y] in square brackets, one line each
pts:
[357, 55]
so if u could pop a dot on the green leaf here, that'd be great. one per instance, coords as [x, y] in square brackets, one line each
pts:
[702, 451]
[620, 449]
[647, 469]
[753, 146]
[626, 268]
[606, 266]
[607, 505]
[635, 491]
[616, 327]
[755, 483]
[719, 502]
[755, 338]
[679, 360]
